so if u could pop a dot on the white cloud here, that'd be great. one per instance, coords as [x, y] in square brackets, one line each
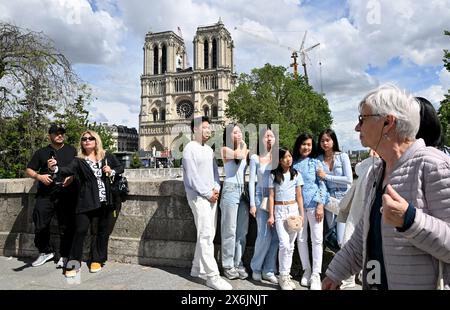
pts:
[353, 38]
[444, 78]
[82, 35]
[435, 93]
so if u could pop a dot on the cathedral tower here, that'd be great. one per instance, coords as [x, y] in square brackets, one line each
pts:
[172, 94]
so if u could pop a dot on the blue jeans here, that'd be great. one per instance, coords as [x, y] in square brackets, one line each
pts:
[266, 244]
[331, 218]
[234, 225]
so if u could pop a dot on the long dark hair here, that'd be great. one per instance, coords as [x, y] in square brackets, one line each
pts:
[298, 143]
[430, 129]
[228, 131]
[278, 171]
[333, 137]
[262, 133]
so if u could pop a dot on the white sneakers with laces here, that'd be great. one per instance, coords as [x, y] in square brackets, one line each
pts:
[231, 273]
[42, 259]
[270, 277]
[216, 282]
[285, 282]
[242, 273]
[306, 278]
[316, 283]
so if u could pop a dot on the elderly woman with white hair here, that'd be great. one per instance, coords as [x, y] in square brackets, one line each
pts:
[403, 238]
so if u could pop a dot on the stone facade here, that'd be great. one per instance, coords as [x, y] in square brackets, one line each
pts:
[172, 94]
[125, 139]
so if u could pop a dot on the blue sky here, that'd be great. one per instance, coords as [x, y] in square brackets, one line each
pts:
[362, 44]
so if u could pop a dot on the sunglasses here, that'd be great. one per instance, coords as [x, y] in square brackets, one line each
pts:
[363, 116]
[84, 139]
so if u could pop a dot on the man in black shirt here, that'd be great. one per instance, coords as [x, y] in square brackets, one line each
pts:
[53, 196]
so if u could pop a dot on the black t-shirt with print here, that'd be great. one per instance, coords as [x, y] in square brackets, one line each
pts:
[38, 163]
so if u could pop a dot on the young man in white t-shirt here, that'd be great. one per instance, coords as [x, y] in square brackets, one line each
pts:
[202, 185]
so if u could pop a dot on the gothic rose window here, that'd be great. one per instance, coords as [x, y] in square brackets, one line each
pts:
[185, 109]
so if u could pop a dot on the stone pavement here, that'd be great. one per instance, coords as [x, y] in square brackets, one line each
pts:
[17, 274]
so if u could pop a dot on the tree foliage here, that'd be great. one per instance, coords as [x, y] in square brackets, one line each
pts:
[271, 95]
[76, 120]
[444, 109]
[37, 86]
[135, 161]
[33, 73]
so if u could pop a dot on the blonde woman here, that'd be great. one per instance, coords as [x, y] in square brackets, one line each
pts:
[93, 167]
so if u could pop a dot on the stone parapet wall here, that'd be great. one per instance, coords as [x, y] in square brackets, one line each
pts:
[159, 173]
[155, 225]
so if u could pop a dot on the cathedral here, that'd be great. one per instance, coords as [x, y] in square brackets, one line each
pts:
[172, 92]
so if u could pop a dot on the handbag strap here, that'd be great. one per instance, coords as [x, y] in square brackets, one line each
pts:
[111, 178]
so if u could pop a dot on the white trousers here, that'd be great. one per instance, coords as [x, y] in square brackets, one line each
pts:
[205, 217]
[287, 239]
[316, 241]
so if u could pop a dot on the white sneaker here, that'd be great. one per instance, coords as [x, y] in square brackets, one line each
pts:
[348, 283]
[291, 283]
[256, 276]
[284, 283]
[231, 273]
[195, 272]
[217, 283]
[42, 259]
[316, 283]
[61, 263]
[242, 273]
[270, 277]
[306, 278]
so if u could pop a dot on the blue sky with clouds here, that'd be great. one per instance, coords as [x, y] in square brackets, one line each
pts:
[362, 44]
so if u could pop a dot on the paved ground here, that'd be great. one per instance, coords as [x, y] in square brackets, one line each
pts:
[17, 274]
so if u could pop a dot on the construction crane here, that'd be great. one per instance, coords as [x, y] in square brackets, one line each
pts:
[303, 55]
[180, 34]
[295, 53]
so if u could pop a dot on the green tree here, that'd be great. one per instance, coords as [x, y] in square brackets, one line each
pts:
[444, 109]
[37, 86]
[76, 120]
[105, 135]
[36, 81]
[135, 161]
[33, 73]
[271, 95]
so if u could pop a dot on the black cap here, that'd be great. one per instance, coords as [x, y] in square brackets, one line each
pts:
[54, 128]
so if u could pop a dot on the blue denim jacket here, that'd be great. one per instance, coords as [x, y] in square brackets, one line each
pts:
[314, 190]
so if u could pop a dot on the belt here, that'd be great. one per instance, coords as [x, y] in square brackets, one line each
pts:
[290, 202]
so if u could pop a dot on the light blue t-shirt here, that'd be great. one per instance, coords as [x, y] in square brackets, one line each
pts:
[341, 177]
[234, 173]
[286, 190]
[259, 174]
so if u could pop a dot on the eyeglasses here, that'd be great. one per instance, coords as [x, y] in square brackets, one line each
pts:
[84, 139]
[363, 116]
